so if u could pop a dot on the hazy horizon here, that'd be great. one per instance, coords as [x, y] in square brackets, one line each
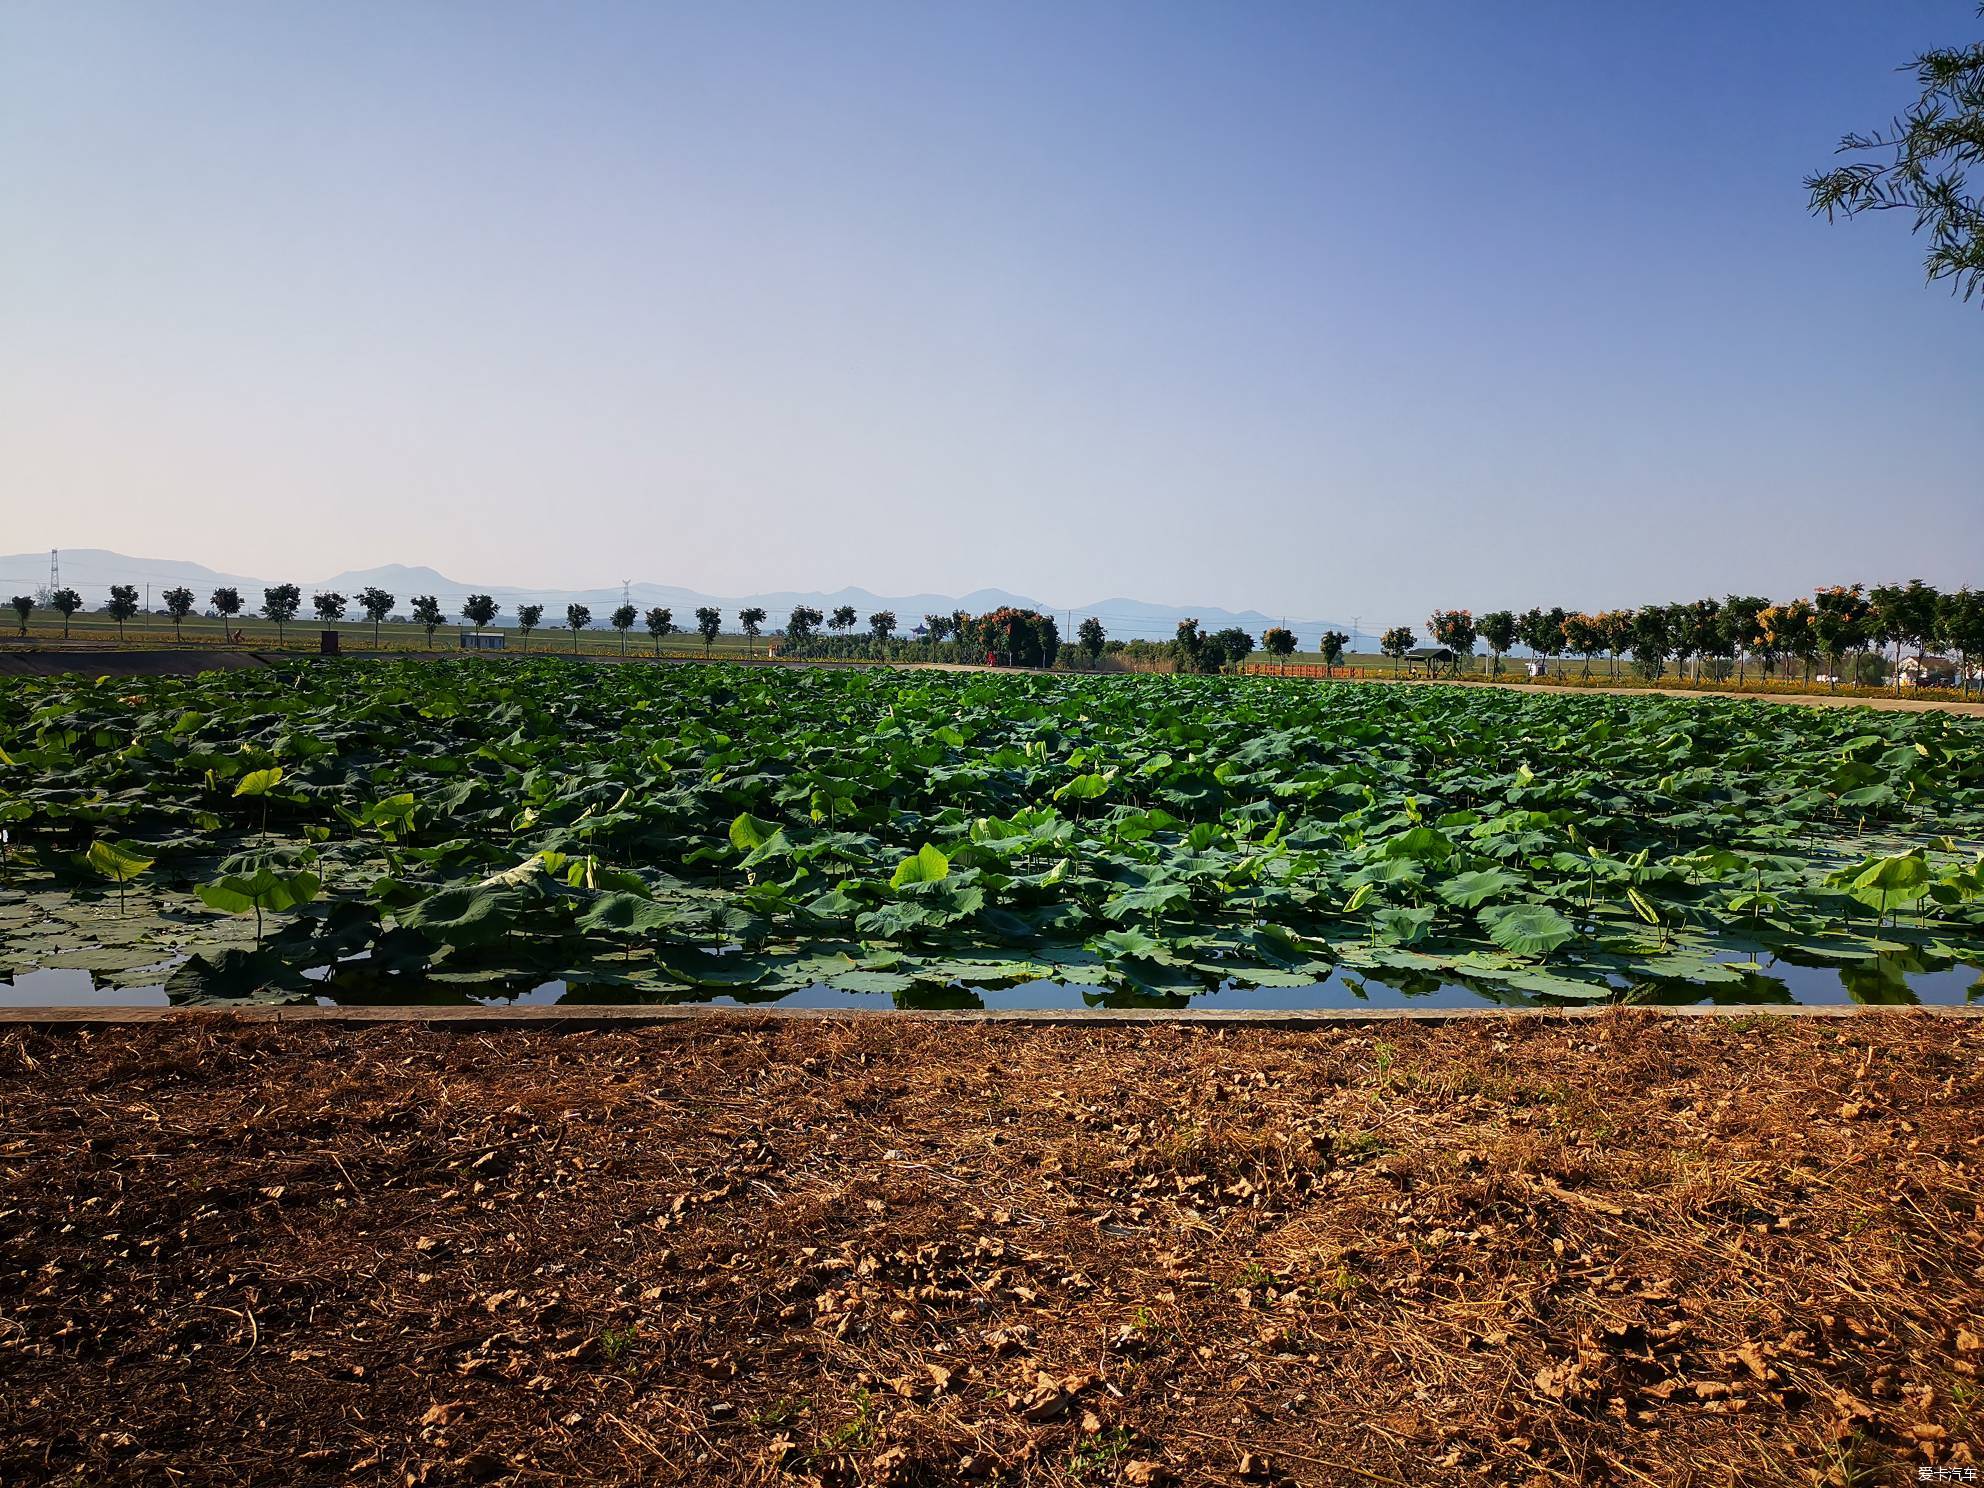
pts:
[1292, 309]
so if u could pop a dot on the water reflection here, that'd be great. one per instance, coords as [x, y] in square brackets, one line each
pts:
[1900, 977]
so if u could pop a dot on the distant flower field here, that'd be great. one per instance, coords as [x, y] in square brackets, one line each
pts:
[400, 830]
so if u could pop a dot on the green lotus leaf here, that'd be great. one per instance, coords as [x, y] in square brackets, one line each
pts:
[925, 865]
[259, 782]
[118, 864]
[1403, 926]
[1473, 889]
[1527, 929]
[886, 982]
[627, 914]
[463, 916]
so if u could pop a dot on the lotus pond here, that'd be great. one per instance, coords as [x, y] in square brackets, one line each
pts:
[553, 830]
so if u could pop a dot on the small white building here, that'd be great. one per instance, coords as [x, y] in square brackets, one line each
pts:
[1927, 671]
[483, 640]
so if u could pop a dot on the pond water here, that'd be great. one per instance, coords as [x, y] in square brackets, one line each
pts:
[1884, 980]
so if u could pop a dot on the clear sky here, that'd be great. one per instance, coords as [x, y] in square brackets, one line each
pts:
[1318, 308]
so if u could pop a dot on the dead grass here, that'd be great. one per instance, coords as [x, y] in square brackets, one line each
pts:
[1632, 1250]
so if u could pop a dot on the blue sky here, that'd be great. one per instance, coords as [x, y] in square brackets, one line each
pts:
[1312, 308]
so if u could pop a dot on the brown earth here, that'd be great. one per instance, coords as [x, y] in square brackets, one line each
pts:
[1622, 1250]
[49, 658]
[1886, 702]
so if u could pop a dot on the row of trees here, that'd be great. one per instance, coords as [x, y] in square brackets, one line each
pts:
[1194, 650]
[1718, 635]
[1022, 637]
[1726, 635]
[1014, 637]
[280, 604]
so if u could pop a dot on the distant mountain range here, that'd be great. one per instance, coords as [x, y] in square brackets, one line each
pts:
[91, 572]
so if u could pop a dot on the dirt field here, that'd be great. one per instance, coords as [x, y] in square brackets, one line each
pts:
[1624, 1250]
[1886, 702]
[54, 660]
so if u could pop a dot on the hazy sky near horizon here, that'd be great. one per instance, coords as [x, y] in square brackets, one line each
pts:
[1312, 308]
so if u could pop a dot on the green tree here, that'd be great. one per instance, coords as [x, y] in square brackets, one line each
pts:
[843, 618]
[178, 604]
[1681, 635]
[577, 618]
[1585, 635]
[622, 619]
[935, 628]
[709, 624]
[882, 625]
[1279, 642]
[1919, 165]
[529, 617]
[1619, 627]
[1795, 632]
[1650, 640]
[1885, 625]
[1840, 624]
[751, 620]
[1188, 646]
[1553, 637]
[1092, 638]
[1960, 628]
[661, 622]
[226, 604]
[427, 614]
[123, 605]
[1234, 644]
[1333, 643]
[1498, 629]
[1707, 633]
[1740, 618]
[280, 604]
[1767, 645]
[1534, 629]
[481, 610]
[65, 602]
[1395, 643]
[1026, 637]
[23, 607]
[1455, 630]
[1903, 615]
[1916, 615]
[329, 606]
[801, 623]
[377, 605]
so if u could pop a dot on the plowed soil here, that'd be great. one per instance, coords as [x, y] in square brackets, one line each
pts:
[1627, 1250]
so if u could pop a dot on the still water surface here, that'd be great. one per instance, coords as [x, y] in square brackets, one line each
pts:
[1885, 980]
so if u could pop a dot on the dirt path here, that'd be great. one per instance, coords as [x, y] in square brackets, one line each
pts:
[108, 661]
[1618, 1250]
[112, 663]
[1886, 704]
